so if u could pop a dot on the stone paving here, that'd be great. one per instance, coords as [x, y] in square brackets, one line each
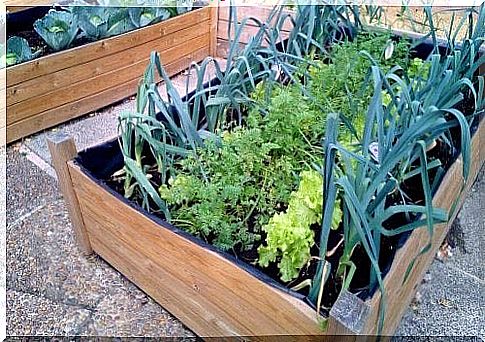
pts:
[53, 290]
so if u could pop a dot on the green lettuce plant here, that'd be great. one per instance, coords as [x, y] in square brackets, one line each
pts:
[57, 28]
[289, 234]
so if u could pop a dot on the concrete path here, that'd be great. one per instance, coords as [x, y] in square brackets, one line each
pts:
[53, 290]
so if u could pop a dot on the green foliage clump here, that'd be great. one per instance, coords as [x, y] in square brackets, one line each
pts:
[339, 84]
[18, 51]
[290, 236]
[225, 193]
[240, 183]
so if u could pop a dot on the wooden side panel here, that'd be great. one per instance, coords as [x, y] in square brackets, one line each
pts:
[400, 294]
[215, 298]
[126, 71]
[102, 72]
[251, 28]
[90, 103]
[63, 149]
[208, 293]
[59, 80]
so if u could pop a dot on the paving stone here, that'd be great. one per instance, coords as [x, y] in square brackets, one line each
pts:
[125, 313]
[28, 187]
[87, 131]
[29, 314]
[43, 260]
[451, 305]
[467, 235]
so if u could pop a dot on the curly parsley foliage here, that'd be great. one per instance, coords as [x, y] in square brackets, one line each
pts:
[224, 194]
[229, 192]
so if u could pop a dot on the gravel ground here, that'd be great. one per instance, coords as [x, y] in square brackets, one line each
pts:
[52, 290]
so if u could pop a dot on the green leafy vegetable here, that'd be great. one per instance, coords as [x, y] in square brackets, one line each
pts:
[57, 28]
[18, 51]
[143, 16]
[290, 236]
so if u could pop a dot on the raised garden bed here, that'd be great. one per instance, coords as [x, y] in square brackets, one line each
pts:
[214, 292]
[60, 86]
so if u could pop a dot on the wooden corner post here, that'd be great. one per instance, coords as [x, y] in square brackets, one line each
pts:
[62, 150]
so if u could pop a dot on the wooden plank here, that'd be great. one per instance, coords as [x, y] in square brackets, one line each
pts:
[246, 35]
[399, 295]
[63, 149]
[82, 54]
[249, 30]
[211, 295]
[81, 72]
[30, 3]
[13, 9]
[260, 12]
[214, 18]
[59, 97]
[88, 104]
[223, 47]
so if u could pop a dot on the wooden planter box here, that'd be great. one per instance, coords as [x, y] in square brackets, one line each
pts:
[55, 88]
[208, 290]
[211, 292]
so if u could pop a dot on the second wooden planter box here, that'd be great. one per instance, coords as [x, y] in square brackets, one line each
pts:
[47, 91]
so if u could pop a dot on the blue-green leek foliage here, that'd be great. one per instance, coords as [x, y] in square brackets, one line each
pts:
[421, 110]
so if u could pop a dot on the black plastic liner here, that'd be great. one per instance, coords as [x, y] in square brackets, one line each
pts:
[101, 161]
[24, 19]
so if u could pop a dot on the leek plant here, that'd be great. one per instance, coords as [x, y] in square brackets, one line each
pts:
[406, 114]
[421, 111]
[174, 128]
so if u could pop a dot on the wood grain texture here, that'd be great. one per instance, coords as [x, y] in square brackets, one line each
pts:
[250, 29]
[93, 102]
[262, 13]
[214, 20]
[63, 149]
[100, 73]
[71, 76]
[207, 292]
[126, 71]
[13, 9]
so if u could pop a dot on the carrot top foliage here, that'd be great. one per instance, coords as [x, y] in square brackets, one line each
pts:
[300, 142]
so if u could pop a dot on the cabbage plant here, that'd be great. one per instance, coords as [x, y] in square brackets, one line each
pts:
[57, 28]
[143, 16]
[184, 6]
[98, 22]
[18, 51]
[93, 21]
